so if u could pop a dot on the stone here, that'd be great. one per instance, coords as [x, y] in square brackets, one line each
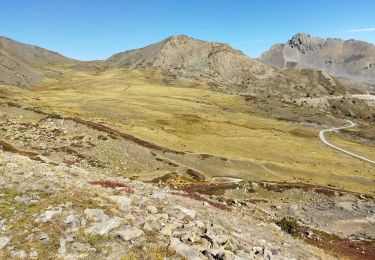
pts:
[168, 229]
[128, 233]
[258, 250]
[189, 212]
[96, 214]
[44, 236]
[20, 254]
[221, 254]
[2, 224]
[278, 207]
[62, 248]
[104, 227]
[152, 209]
[162, 216]
[254, 185]
[4, 241]
[184, 250]
[345, 205]
[82, 247]
[159, 195]
[33, 254]
[190, 237]
[48, 215]
[309, 233]
[72, 221]
[293, 208]
[123, 202]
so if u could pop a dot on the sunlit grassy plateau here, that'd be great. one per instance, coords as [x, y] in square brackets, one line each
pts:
[198, 120]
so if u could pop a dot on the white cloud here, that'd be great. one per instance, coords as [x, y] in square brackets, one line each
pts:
[360, 30]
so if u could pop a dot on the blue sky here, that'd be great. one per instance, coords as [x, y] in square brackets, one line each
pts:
[94, 29]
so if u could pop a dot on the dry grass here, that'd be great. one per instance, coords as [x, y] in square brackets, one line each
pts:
[200, 121]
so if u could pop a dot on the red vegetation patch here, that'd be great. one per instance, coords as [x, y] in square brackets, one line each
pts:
[126, 136]
[204, 156]
[339, 246]
[249, 98]
[256, 201]
[10, 148]
[196, 192]
[196, 175]
[210, 188]
[112, 184]
[281, 186]
[13, 104]
[196, 196]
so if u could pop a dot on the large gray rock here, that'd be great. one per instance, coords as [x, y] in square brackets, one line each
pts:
[72, 221]
[184, 250]
[95, 214]
[123, 202]
[4, 241]
[48, 215]
[188, 212]
[19, 254]
[128, 233]
[104, 227]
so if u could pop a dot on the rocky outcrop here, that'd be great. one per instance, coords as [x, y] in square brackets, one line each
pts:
[351, 60]
[188, 58]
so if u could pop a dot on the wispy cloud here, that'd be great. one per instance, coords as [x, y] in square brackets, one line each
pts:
[359, 30]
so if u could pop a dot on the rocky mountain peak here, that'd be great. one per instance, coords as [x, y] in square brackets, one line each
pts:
[305, 42]
[351, 60]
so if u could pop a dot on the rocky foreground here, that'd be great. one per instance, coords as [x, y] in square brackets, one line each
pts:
[60, 211]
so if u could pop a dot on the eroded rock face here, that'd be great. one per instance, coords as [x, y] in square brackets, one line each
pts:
[352, 60]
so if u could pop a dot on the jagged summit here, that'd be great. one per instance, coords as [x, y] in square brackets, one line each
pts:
[352, 60]
[305, 42]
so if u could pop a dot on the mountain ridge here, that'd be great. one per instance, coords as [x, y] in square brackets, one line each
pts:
[18, 62]
[351, 60]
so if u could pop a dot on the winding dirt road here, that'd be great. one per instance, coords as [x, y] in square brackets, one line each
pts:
[323, 139]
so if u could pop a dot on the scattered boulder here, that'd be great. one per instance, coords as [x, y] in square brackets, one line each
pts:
[293, 208]
[33, 254]
[345, 205]
[159, 195]
[122, 201]
[128, 233]
[184, 250]
[48, 215]
[72, 221]
[96, 214]
[152, 209]
[104, 227]
[168, 229]
[19, 254]
[44, 236]
[82, 247]
[188, 212]
[4, 241]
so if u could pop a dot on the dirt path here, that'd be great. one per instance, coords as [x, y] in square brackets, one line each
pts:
[323, 139]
